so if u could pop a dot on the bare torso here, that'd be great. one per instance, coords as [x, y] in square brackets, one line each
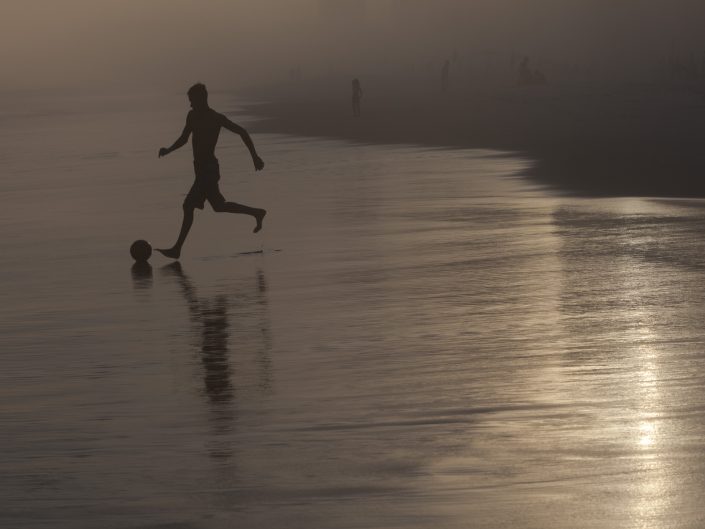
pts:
[205, 126]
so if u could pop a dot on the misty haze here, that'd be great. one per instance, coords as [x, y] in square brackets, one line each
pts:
[352, 264]
[235, 43]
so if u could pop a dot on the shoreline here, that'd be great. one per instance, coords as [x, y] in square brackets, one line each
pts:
[625, 141]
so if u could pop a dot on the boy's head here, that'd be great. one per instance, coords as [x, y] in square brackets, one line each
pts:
[198, 95]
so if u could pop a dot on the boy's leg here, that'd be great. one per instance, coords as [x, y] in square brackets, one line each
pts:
[233, 207]
[175, 251]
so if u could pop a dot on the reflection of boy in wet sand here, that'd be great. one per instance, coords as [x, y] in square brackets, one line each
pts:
[205, 124]
[212, 316]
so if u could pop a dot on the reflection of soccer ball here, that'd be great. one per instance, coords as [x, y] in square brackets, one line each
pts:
[140, 251]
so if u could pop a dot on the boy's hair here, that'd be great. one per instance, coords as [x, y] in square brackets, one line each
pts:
[198, 91]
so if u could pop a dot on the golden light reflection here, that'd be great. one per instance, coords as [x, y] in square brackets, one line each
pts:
[647, 435]
[634, 324]
[651, 495]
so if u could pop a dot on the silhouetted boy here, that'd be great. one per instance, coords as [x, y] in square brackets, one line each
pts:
[205, 124]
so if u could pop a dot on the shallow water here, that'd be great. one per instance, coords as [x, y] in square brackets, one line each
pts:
[425, 340]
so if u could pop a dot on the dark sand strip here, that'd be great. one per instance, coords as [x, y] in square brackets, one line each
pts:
[631, 140]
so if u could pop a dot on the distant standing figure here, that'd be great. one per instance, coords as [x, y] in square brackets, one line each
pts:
[205, 124]
[356, 97]
[445, 76]
[525, 74]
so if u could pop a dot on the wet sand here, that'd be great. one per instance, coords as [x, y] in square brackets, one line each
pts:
[438, 342]
[626, 140]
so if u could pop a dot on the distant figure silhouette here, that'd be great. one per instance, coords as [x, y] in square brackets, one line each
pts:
[295, 74]
[356, 97]
[538, 77]
[445, 76]
[205, 124]
[526, 76]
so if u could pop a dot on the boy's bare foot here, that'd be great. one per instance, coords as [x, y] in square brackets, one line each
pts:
[259, 217]
[173, 253]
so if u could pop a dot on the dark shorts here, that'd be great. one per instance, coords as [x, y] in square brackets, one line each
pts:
[205, 187]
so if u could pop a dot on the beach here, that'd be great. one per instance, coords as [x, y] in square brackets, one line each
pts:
[589, 138]
[419, 337]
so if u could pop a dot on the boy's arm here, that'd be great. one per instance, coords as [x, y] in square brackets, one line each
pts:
[180, 142]
[237, 129]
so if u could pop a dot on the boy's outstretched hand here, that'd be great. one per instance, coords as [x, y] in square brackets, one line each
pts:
[259, 164]
[163, 151]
